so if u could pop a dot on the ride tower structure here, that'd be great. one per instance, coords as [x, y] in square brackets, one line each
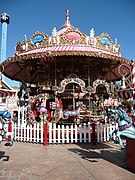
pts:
[5, 21]
[5, 89]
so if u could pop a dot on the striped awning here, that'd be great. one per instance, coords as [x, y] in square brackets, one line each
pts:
[7, 93]
[66, 49]
[125, 94]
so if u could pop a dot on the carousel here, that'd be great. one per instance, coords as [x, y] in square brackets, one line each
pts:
[70, 76]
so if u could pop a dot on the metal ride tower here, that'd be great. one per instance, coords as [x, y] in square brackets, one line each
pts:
[5, 21]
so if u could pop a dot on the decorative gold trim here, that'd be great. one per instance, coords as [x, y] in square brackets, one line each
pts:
[97, 82]
[47, 55]
[60, 40]
[68, 80]
[114, 48]
[65, 41]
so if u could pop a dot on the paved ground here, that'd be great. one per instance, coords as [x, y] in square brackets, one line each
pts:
[25, 161]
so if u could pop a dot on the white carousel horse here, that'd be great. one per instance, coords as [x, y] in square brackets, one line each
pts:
[23, 97]
[126, 129]
[4, 126]
[68, 113]
[60, 114]
[73, 113]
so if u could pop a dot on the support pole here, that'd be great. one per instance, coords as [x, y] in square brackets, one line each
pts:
[73, 97]
[89, 84]
[133, 80]
[93, 133]
[45, 134]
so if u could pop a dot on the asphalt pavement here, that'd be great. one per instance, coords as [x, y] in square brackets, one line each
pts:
[27, 161]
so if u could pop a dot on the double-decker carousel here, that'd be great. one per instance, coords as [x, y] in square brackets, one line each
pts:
[69, 75]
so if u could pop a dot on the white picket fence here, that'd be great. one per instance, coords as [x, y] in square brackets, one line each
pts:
[62, 133]
[28, 133]
[79, 133]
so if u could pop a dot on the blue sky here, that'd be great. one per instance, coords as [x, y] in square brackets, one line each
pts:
[115, 17]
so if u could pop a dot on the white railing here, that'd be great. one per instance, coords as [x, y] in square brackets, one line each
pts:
[79, 133]
[62, 133]
[59, 133]
[28, 133]
[22, 115]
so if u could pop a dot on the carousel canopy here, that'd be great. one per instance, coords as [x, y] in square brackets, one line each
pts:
[44, 58]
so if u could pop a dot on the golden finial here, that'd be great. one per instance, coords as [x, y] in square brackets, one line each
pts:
[25, 39]
[92, 33]
[67, 23]
[54, 32]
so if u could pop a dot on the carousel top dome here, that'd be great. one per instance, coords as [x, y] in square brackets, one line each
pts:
[38, 55]
[68, 40]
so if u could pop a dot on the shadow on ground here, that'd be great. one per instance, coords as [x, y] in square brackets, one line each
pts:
[3, 156]
[92, 153]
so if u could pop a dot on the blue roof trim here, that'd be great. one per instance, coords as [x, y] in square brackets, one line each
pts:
[105, 41]
[37, 39]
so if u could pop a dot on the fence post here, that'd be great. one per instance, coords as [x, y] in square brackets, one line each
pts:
[89, 133]
[93, 134]
[84, 132]
[45, 134]
[50, 132]
[98, 131]
[80, 130]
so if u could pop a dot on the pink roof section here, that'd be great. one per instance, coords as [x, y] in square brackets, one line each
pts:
[66, 49]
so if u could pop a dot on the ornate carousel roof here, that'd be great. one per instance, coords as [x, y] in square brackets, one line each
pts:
[68, 51]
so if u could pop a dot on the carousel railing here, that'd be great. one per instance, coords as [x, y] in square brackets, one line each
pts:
[74, 133]
[79, 133]
[31, 131]
[28, 132]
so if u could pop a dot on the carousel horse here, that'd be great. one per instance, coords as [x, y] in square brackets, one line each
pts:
[5, 125]
[22, 97]
[68, 113]
[39, 109]
[43, 110]
[73, 113]
[125, 129]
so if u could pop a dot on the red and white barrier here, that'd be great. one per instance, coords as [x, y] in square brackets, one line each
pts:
[133, 76]
[126, 94]
[133, 79]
